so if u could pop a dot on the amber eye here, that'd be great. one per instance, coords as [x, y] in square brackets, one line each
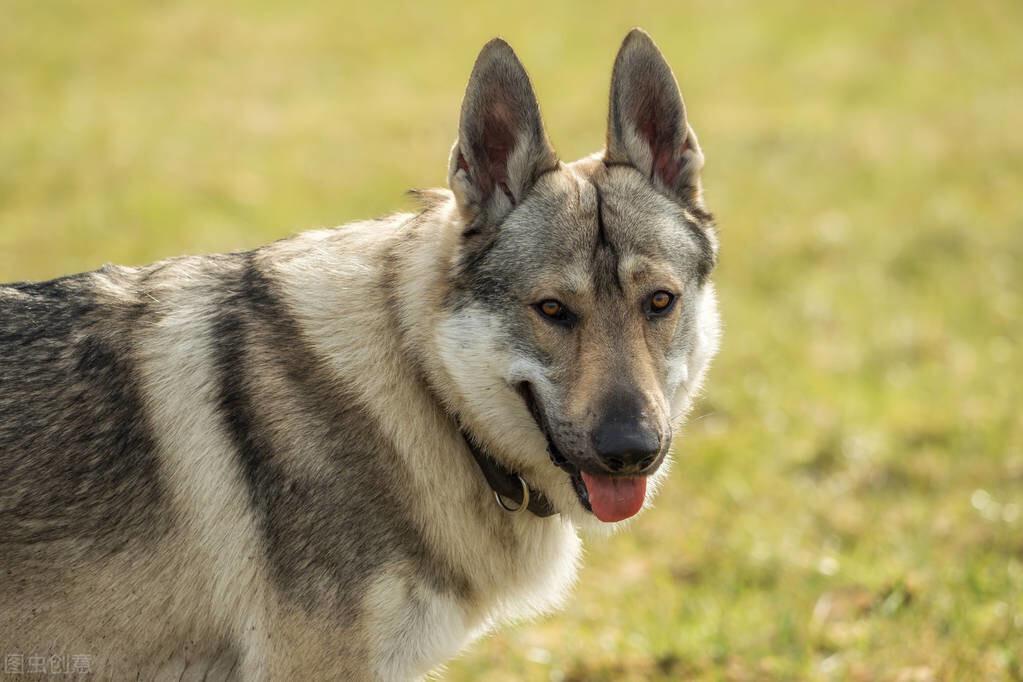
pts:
[555, 311]
[551, 308]
[661, 302]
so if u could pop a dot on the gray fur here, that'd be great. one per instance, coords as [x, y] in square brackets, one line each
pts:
[71, 405]
[250, 466]
[267, 373]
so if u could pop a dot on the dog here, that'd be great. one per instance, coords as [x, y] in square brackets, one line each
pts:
[348, 454]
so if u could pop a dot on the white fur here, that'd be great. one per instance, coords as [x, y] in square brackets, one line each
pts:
[198, 458]
[708, 338]
[413, 626]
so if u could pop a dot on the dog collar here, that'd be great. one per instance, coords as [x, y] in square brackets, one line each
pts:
[508, 485]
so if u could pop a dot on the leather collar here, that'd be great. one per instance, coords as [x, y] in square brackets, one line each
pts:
[505, 483]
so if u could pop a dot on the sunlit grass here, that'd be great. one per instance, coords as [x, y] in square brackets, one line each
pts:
[848, 502]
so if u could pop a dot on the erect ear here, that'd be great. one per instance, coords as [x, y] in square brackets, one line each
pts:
[501, 147]
[647, 125]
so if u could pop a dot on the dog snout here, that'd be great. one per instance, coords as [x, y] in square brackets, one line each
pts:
[626, 441]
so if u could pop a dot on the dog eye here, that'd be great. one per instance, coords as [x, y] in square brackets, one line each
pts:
[660, 303]
[555, 311]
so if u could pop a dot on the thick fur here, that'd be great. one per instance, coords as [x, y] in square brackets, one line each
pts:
[249, 466]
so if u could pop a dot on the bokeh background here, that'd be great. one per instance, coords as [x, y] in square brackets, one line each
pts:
[848, 500]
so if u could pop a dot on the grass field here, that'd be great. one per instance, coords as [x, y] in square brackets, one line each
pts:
[848, 501]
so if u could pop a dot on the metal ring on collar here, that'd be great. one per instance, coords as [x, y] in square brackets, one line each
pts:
[522, 505]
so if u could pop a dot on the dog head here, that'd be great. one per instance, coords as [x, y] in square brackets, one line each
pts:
[580, 317]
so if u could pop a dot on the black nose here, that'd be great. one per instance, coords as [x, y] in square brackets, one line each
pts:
[625, 441]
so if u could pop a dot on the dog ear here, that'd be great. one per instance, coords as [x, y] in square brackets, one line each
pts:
[501, 147]
[647, 125]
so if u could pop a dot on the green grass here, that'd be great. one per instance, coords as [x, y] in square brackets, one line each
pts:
[848, 502]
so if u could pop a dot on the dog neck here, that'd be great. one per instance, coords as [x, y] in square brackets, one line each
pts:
[425, 252]
[507, 484]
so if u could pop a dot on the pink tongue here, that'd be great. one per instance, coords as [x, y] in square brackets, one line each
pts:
[614, 499]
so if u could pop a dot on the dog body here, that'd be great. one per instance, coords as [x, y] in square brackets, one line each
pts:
[265, 465]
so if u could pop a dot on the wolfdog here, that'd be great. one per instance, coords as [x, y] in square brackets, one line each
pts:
[349, 453]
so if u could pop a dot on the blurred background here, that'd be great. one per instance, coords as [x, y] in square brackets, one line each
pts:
[848, 499]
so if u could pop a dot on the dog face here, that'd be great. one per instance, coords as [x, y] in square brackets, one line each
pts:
[580, 317]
